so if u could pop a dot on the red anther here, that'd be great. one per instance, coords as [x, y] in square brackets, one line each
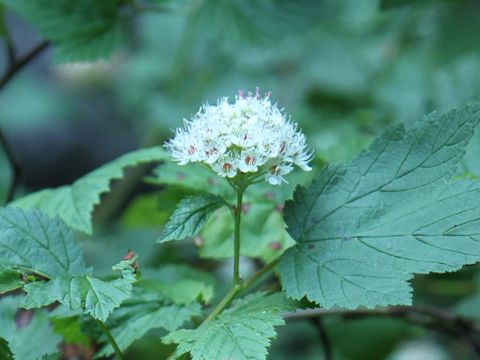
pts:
[241, 94]
[130, 255]
[282, 147]
[227, 167]
[250, 160]
[192, 150]
[268, 94]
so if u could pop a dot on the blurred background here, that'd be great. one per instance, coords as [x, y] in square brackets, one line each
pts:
[121, 75]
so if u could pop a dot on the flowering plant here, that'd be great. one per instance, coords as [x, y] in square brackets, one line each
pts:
[250, 136]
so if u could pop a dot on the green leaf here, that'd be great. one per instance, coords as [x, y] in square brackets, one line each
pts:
[191, 176]
[98, 298]
[364, 229]
[75, 203]
[137, 320]
[30, 240]
[10, 279]
[190, 217]
[180, 284]
[263, 233]
[79, 30]
[26, 342]
[71, 330]
[240, 332]
[34, 243]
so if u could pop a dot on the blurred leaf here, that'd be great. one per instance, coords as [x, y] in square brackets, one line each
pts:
[361, 227]
[243, 331]
[75, 203]
[139, 319]
[180, 284]
[27, 342]
[71, 330]
[10, 279]
[262, 228]
[190, 217]
[80, 30]
[190, 176]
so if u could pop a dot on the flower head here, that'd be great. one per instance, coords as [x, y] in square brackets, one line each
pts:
[251, 135]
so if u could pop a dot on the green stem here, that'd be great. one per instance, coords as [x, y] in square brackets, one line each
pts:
[111, 340]
[236, 239]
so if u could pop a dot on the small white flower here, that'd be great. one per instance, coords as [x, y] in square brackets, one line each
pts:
[252, 135]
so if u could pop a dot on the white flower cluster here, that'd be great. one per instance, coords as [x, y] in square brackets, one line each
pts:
[249, 136]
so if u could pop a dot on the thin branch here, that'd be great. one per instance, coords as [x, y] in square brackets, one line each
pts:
[439, 320]
[15, 167]
[20, 63]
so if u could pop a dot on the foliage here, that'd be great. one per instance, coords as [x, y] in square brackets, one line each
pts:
[75, 203]
[329, 253]
[241, 332]
[360, 228]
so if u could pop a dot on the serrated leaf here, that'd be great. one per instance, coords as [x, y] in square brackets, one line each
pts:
[80, 30]
[96, 297]
[242, 332]
[144, 317]
[29, 239]
[190, 217]
[46, 247]
[364, 229]
[27, 342]
[75, 203]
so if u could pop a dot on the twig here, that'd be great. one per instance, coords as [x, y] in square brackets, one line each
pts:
[430, 317]
[20, 63]
[15, 167]
[323, 335]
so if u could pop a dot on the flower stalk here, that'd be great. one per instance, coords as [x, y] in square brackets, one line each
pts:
[236, 238]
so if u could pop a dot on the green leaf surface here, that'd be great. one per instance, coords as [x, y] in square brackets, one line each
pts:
[241, 332]
[364, 229]
[34, 243]
[31, 240]
[263, 233]
[190, 217]
[79, 30]
[29, 341]
[10, 279]
[137, 320]
[75, 203]
[180, 284]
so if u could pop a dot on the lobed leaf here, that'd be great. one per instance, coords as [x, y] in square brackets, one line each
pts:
[75, 203]
[241, 332]
[363, 230]
[35, 244]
